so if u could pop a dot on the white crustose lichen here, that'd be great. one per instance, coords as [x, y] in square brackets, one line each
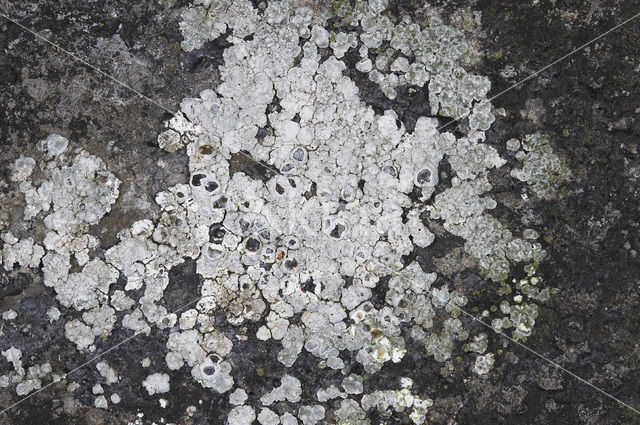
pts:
[302, 251]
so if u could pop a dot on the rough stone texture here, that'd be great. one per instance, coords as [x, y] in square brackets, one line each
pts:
[588, 104]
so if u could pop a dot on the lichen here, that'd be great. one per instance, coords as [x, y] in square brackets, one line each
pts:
[541, 168]
[156, 383]
[301, 252]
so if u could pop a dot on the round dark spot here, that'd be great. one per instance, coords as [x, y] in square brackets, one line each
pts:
[262, 133]
[266, 235]
[206, 150]
[209, 370]
[252, 245]
[424, 177]
[391, 170]
[286, 168]
[244, 224]
[211, 186]
[279, 189]
[216, 233]
[220, 202]
[337, 231]
[290, 264]
[196, 180]
[299, 154]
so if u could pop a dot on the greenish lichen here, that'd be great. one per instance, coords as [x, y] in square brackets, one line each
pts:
[541, 168]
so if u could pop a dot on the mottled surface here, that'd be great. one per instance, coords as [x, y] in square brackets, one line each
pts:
[588, 104]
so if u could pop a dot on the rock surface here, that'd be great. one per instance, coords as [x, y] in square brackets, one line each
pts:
[224, 366]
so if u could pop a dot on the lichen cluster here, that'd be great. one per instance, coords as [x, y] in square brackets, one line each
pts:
[302, 252]
[541, 168]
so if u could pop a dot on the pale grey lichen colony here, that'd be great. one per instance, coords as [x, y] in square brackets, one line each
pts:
[335, 217]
